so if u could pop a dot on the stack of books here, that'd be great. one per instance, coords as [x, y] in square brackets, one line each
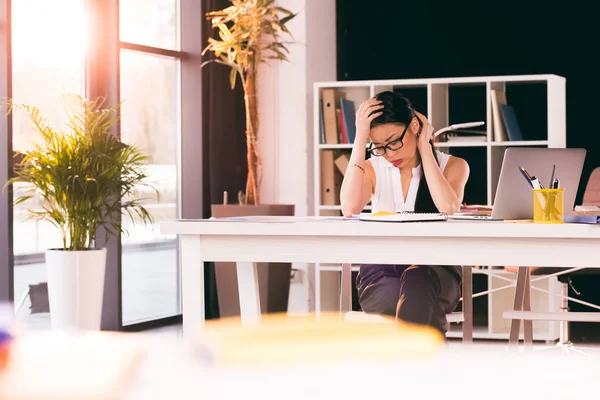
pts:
[463, 135]
[475, 209]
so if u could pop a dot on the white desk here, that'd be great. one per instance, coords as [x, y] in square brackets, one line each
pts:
[352, 241]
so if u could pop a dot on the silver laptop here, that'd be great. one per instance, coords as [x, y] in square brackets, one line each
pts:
[513, 198]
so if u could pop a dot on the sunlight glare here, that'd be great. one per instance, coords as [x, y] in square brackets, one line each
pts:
[48, 33]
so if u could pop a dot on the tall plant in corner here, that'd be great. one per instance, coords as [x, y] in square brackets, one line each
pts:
[86, 179]
[249, 34]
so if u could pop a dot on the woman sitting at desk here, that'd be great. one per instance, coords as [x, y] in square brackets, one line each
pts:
[405, 173]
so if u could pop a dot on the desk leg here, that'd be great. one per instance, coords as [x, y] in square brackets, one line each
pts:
[346, 290]
[247, 275]
[515, 325]
[192, 285]
[528, 324]
[467, 303]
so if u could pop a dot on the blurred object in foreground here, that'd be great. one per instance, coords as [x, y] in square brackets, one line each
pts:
[55, 365]
[6, 333]
[282, 340]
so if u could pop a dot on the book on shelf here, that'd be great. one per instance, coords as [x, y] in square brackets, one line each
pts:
[337, 118]
[321, 122]
[511, 125]
[349, 118]
[342, 137]
[498, 97]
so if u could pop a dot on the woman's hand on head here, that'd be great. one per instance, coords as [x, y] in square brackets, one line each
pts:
[426, 132]
[366, 113]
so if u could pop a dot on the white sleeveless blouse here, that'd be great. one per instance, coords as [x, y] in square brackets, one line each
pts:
[389, 195]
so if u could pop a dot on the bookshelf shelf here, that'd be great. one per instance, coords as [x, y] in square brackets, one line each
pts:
[461, 144]
[483, 144]
[521, 143]
[539, 103]
[335, 146]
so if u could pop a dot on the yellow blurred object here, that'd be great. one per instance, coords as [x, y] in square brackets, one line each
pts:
[282, 340]
[381, 213]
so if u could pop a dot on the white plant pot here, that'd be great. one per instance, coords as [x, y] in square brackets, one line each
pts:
[76, 288]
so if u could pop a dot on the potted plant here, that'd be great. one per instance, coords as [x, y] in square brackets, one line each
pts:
[86, 179]
[249, 33]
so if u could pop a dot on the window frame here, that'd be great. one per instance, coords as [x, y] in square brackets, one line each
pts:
[102, 78]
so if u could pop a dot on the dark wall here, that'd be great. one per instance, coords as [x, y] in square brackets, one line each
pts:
[380, 39]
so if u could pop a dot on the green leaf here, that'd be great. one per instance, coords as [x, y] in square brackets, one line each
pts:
[284, 20]
[82, 173]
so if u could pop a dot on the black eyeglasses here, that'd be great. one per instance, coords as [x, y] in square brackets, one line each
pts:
[394, 145]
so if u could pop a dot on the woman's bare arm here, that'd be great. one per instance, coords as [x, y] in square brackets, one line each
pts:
[359, 179]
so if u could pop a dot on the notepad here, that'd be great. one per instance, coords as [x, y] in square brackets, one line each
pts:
[404, 216]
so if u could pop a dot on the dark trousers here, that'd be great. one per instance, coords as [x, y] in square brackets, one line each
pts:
[412, 293]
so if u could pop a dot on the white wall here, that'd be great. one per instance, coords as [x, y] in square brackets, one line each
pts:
[285, 115]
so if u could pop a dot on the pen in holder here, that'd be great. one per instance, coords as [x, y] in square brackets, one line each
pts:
[548, 206]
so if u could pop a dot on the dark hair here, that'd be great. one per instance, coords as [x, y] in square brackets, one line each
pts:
[397, 109]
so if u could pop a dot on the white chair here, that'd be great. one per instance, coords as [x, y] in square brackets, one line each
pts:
[465, 316]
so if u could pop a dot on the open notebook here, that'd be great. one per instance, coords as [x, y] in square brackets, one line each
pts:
[404, 216]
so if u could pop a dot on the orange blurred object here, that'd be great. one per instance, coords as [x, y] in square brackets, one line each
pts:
[4, 353]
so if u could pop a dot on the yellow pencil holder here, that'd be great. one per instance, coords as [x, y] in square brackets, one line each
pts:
[549, 206]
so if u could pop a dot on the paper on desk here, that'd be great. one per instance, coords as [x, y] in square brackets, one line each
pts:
[280, 219]
[402, 217]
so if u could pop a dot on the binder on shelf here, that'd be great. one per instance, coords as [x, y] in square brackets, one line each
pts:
[330, 180]
[349, 118]
[513, 130]
[329, 117]
[498, 98]
[342, 163]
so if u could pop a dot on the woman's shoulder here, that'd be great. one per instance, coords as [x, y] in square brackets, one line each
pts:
[448, 160]
[447, 157]
[457, 165]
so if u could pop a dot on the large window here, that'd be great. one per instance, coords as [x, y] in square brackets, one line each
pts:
[47, 61]
[152, 23]
[150, 91]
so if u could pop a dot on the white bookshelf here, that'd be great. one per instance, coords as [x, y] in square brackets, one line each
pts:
[441, 100]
